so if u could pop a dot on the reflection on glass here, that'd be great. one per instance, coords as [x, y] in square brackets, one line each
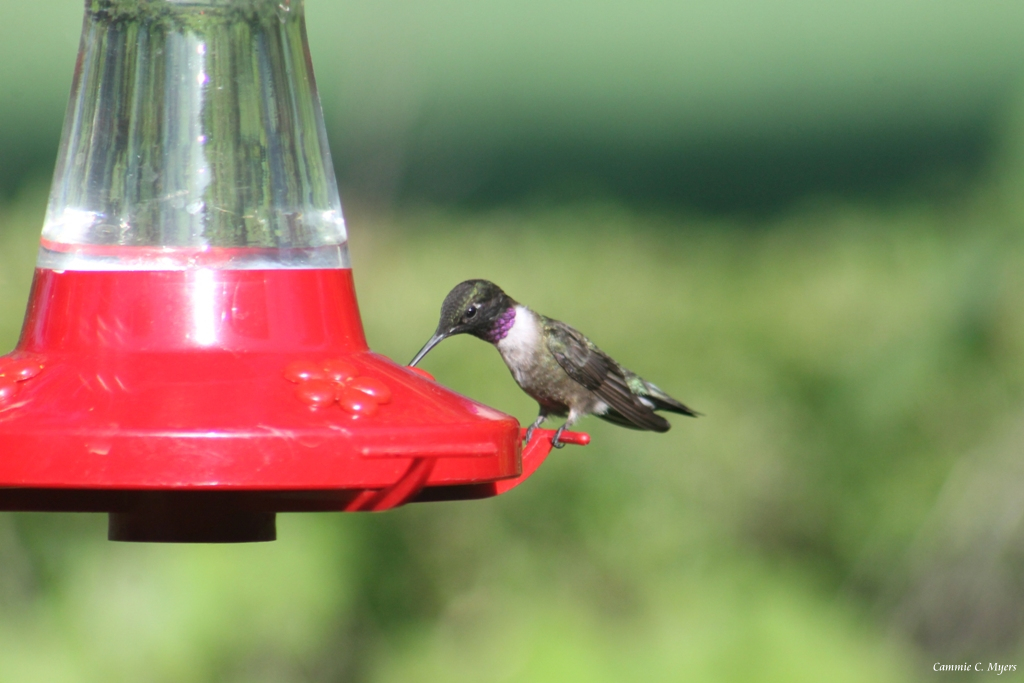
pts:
[194, 138]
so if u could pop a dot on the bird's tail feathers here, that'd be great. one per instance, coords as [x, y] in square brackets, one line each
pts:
[663, 401]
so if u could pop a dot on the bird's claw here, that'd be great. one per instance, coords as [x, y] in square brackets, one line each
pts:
[529, 434]
[555, 442]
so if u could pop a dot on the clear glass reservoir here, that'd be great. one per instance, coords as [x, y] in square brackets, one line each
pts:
[194, 138]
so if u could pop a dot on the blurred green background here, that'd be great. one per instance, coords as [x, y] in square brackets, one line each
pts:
[804, 219]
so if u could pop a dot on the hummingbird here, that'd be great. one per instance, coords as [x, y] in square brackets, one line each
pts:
[552, 362]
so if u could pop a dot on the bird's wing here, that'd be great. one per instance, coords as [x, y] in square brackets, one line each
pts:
[592, 368]
[576, 355]
[616, 418]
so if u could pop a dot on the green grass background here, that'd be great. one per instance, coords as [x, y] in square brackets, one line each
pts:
[848, 509]
[851, 364]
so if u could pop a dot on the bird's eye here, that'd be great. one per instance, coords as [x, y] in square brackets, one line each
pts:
[470, 312]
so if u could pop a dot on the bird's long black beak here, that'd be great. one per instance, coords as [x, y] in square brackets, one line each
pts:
[434, 341]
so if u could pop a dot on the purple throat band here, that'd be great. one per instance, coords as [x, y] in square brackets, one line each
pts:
[502, 325]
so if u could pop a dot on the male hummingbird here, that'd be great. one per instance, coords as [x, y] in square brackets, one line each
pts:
[552, 362]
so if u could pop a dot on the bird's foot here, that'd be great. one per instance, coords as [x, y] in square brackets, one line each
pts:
[555, 442]
[529, 434]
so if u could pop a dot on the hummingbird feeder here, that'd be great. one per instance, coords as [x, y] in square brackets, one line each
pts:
[192, 359]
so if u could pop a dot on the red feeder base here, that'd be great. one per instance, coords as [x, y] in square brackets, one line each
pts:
[193, 405]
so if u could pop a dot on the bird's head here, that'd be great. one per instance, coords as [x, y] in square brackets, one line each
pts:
[476, 307]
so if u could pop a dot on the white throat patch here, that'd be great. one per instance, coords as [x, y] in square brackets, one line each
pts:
[522, 341]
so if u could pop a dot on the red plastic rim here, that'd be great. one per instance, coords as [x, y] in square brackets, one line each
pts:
[188, 380]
